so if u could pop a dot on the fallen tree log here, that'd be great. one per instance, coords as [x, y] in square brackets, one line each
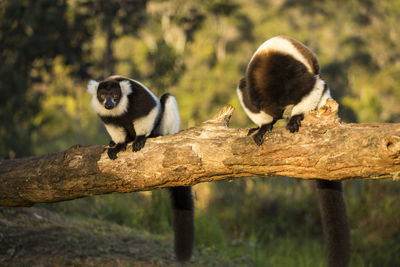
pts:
[324, 148]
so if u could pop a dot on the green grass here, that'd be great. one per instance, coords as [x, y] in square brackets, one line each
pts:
[250, 222]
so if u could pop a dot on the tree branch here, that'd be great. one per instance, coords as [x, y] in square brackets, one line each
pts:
[324, 148]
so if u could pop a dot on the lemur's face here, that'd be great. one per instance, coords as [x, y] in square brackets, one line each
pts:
[109, 94]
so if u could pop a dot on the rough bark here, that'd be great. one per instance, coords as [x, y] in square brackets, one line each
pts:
[324, 148]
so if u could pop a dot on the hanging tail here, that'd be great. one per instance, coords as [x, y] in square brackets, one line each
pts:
[181, 196]
[182, 204]
[334, 222]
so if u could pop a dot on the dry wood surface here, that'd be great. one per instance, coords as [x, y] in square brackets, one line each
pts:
[324, 148]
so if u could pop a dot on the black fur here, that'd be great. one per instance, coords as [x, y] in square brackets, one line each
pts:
[182, 204]
[275, 80]
[113, 151]
[139, 143]
[157, 131]
[182, 197]
[335, 222]
[259, 136]
[307, 54]
[251, 103]
[140, 103]
[109, 88]
[294, 123]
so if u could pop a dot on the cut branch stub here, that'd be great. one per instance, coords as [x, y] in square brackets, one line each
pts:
[326, 115]
[223, 116]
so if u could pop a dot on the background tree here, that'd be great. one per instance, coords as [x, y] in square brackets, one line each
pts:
[115, 19]
[27, 47]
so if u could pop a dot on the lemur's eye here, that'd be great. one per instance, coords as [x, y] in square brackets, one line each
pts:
[102, 96]
[115, 96]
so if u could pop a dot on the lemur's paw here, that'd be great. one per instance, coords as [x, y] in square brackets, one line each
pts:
[112, 153]
[258, 138]
[294, 123]
[123, 147]
[112, 143]
[138, 144]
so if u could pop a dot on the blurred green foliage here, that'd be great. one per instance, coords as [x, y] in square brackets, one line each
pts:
[198, 51]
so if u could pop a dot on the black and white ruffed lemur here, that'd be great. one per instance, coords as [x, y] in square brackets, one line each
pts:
[283, 81]
[131, 112]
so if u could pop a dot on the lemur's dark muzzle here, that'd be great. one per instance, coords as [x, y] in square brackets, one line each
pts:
[109, 103]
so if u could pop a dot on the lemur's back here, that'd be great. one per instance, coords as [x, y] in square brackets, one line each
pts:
[282, 71]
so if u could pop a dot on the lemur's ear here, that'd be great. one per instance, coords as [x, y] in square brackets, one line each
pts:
[126, 87]
[92, 87]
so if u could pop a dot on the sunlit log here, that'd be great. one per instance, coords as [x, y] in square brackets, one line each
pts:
[324, 148]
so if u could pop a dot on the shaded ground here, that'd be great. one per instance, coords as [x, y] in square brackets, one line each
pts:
[39, 237]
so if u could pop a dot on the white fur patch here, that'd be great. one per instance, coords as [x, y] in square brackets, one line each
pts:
[260, 118]
[324, 98]
[126, 88]
[312, 100]
[284, 46]
[92, 87]
[117, 134]
[144, 125]
[170, 122]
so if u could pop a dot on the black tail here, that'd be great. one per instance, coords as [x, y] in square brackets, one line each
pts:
[334, 222]
[181, 196]
[183, 209]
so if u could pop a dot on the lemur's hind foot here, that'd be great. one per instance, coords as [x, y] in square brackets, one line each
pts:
[259, 136]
